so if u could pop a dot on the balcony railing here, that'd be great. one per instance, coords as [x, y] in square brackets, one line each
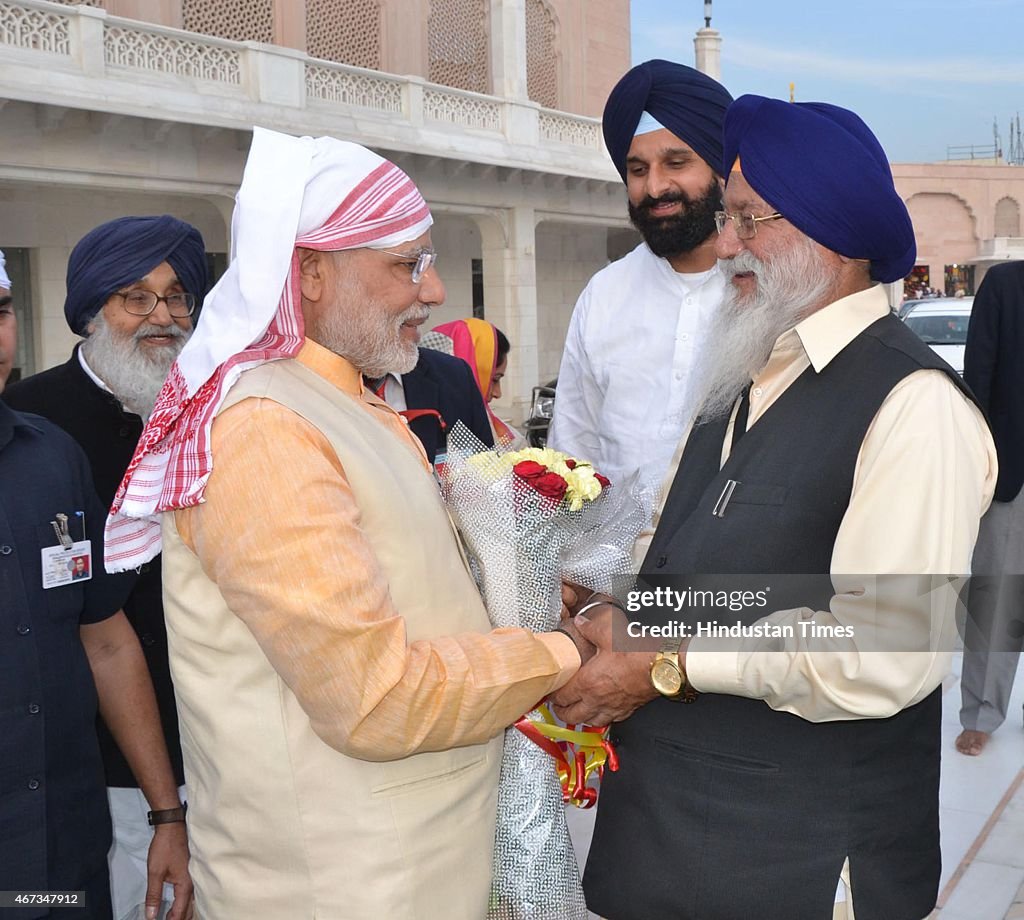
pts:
[1001, 247]
[148, 66]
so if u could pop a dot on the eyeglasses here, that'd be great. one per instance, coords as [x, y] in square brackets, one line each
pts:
[744, 224]
[142, 303]
[419, 263]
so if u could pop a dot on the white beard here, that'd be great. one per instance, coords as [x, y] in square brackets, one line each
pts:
[745, 327]
[361, 330]
[133, 372]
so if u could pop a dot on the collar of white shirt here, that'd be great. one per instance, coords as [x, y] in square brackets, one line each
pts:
[90, 372]
[394, 392]
[828, 331]
[689, 280]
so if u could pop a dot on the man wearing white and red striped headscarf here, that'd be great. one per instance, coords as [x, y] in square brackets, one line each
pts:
[340, 693]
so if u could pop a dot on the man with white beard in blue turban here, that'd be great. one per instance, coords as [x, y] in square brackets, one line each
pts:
[624, 384]
[133, 286]
[840, 469]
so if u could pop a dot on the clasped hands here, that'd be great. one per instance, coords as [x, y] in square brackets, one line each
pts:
[614, 678]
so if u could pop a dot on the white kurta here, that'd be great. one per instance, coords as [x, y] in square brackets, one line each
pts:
[624, 386]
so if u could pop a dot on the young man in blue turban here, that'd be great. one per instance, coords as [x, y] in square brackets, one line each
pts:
[133, 285]
[623, 388]
[802, 782]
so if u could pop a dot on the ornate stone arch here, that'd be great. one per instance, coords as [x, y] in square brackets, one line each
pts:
[458, 44]
[945, 228]
[1007, 217]
[953, 211]
[542, 55]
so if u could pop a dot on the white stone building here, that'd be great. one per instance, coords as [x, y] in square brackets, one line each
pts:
[146, 106]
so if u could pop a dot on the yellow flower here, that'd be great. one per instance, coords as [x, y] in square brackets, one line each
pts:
[582, 486]
[489, 464]
[545, 456]
[560, 467]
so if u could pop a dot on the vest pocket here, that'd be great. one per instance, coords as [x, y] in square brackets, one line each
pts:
[425, 780]
[716, 759]
[758, 493]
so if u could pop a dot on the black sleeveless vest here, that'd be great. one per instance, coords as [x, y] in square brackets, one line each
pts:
[727, 809]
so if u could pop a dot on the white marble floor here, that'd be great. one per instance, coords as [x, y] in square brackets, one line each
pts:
[981, 807]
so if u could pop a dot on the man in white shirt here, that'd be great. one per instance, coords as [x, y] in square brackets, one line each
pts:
[623, 388]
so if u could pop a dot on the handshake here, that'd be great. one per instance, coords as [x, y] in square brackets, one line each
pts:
[614, 679]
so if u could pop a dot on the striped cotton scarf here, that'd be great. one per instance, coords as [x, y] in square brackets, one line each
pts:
[288, 198]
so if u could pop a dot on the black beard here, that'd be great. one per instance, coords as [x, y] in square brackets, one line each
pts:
[672, 236]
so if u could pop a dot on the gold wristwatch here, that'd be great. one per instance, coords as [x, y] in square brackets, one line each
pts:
[669, 676]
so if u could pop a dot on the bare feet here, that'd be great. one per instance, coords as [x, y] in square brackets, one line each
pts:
[971, 743]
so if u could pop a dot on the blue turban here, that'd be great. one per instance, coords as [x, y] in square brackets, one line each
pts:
[690, 104]
[821, 167]
[122, 252]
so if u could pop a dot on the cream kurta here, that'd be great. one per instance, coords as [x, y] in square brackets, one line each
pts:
[925, 475]
[309, 707]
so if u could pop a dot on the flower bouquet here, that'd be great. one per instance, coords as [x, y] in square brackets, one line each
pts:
[530, 517]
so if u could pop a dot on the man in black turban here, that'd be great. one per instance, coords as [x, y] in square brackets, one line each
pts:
[623, 388]
[133, 285]
[803, 781]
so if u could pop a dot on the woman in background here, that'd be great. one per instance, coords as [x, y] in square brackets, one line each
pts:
[484, 347]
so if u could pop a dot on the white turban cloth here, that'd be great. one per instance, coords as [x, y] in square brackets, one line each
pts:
[316, 193]
[5, 282]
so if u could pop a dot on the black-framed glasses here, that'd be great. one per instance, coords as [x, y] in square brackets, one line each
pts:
[142, 303]
[744, 224]
[424, 259]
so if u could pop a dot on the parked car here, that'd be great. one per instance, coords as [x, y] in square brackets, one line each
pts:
[541, 410]
[908, 305]
[942, 322]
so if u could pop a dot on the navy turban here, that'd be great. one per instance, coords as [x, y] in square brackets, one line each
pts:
[690, 104]
[122, 252]
[822, 168]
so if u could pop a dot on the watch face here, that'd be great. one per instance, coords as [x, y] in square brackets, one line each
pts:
[666, 678]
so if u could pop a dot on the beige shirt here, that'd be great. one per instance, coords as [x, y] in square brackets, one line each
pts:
[924, 476]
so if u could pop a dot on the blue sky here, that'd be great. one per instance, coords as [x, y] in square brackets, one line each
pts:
[924, 74]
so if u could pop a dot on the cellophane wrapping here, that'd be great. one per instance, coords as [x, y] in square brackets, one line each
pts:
[520, 545]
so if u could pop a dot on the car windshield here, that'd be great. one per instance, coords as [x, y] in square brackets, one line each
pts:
[941, 328]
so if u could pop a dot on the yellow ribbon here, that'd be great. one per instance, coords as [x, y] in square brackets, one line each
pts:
[578, 754]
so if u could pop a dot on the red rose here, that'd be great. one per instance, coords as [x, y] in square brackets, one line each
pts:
[604, 480]
[550, 485]
[529, 469]
[569, 462]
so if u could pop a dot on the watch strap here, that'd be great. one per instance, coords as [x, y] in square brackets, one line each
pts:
[168, 815]
[670, 647]
[670, 650]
